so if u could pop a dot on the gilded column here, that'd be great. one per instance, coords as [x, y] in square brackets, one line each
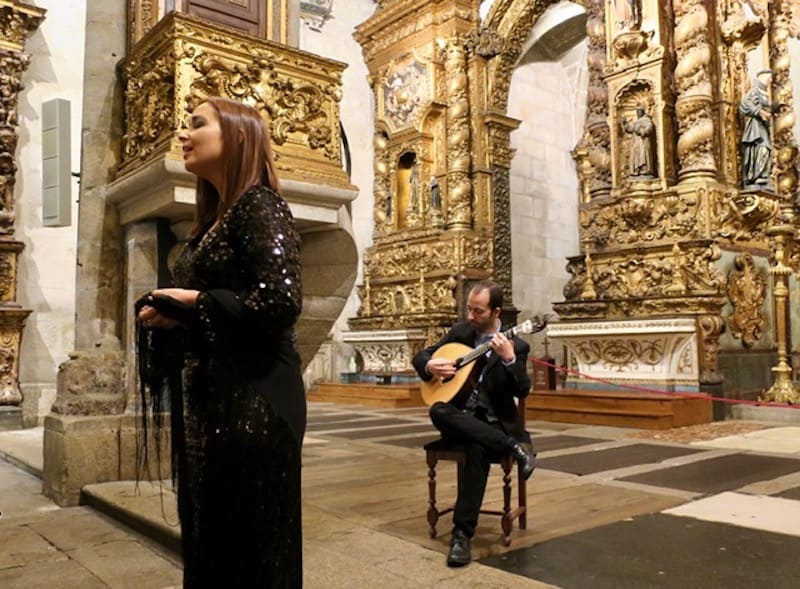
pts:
[459, 186]
[17, 22]
[500, 128]
[693, 81]
[785, 160]
[382, 208]
[592, 153]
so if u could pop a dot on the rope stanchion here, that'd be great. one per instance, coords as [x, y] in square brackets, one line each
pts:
[637, 389]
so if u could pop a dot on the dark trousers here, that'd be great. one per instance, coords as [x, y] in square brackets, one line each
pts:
[480, 440]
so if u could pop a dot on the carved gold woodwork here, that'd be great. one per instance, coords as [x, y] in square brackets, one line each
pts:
[784, 168]
[747, 291]
[182, 60]
[17, 21]
[592, 154]
[431, 123]
[652, 246]
[143, 15]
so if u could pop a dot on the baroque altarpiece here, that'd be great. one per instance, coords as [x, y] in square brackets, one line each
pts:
[672, 287]
[442, 159]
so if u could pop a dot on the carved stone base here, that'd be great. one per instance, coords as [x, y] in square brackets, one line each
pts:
[657, 354]
[387, 352]
[80, 450]
[10, 418]
[91, 383]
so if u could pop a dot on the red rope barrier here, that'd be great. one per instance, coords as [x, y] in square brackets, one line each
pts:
[637, 389]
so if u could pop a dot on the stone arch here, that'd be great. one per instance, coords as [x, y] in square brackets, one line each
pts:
[513, 21]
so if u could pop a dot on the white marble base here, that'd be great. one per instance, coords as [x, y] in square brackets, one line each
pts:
[387, 352]
[770, 514]
[659, 354]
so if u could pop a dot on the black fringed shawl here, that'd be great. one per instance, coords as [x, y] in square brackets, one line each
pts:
[160, 356]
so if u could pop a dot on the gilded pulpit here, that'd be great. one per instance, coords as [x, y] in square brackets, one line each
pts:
[173, 61]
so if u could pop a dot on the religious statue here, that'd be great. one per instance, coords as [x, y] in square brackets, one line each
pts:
[413, 186]
[436, 197]
[757, 109]
[628, 14]
[642, 156]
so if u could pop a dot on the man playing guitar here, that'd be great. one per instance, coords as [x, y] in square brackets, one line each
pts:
[485, 419]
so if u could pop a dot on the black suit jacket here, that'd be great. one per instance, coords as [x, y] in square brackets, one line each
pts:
[502, 383]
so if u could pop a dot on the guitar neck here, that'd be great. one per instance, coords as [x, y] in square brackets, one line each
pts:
[483, 348]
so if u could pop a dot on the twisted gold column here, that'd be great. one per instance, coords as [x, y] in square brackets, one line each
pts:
[459, 187]
[785, 149]
[694, 105]
[593, 150]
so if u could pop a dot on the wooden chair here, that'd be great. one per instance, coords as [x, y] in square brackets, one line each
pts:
[443, 449]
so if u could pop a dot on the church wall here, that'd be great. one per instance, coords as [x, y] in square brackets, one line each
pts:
[335, 40]
[46, 281]
[550, 100]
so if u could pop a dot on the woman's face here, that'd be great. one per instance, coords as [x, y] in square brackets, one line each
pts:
[202, 143]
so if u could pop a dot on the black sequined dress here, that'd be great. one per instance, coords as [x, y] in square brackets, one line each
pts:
[244, 405]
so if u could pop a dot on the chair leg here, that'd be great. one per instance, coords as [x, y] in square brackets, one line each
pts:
[433, 512]
[506, 520]
[523, 499]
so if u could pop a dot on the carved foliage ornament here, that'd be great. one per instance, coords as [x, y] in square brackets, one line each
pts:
[292, 106]
[406, 260]
[17, 21]
[485, 42]
[175, 69]
[394, 301]
[619, 277]
[12, 65]
[637, 220]
[621, 355]
[747, 291]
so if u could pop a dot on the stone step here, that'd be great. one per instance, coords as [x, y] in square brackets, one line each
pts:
[369, 394]
[622, 409]
[147, 508]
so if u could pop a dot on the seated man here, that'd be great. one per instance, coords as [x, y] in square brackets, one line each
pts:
[486, 421]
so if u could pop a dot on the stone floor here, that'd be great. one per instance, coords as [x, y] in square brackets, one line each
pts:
[711, 507]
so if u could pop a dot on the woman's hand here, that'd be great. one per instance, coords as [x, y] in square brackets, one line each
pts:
[152, 319]
[182, 295]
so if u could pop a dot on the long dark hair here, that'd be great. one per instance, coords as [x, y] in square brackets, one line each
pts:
[248, 160]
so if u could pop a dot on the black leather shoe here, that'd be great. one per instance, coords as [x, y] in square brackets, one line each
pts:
[460, 553]
[525, 459]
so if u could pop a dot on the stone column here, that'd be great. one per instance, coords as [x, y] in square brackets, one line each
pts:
[694, 105]
[82, 434]
[459, 187]
[17, 22]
